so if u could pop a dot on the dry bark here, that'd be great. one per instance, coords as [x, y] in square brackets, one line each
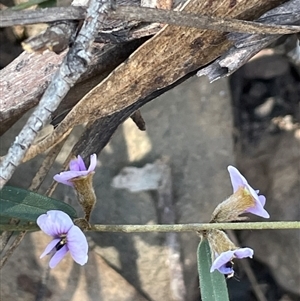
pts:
[73, 66]
[21, 88]
[246, 46]
[158, 63]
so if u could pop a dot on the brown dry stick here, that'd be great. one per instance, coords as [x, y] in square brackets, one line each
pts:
[162, 60]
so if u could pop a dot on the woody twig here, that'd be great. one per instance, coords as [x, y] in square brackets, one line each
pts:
[74, 64]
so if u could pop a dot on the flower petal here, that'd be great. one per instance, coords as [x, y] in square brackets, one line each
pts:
[258, 210]
[81, 163]
[252, 192]
[225, 257]
[50, 247]
[93, 163]
[55, 223]
[221, 260]
[262, 199]
[58, 256]
[243, 252]
[226, 270]
[77, 245]
[73, 165]
[237, 180]
[65, 176]
[77, 169]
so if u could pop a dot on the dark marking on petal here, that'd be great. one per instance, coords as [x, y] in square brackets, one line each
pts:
[60, 244]
[229, 265]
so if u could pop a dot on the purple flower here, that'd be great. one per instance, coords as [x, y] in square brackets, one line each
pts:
[239, 181]
[77, 169]
[66, 237]
[223, 262]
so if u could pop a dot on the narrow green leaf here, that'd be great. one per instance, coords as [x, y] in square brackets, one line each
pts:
[213, 285]
[28, 206]
[27, 4]
[48, 3]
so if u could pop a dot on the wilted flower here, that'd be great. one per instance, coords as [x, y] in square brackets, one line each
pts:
[244, 199]
[238, 181]
[223, 262]
[66, 237]
[77, 170]
[81, 179]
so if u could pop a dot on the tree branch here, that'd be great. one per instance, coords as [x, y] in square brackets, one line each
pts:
[168, 57]
[41, 15]
[246, 46]
[145, 14]
[24, 80]
[161, 61]
[74, 64]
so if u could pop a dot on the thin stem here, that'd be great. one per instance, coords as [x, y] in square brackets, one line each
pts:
[173, 228]
[145, 14]
[11, 249]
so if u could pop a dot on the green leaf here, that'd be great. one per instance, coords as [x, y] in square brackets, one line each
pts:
[48, 3]
[27, 4]
[28, 206]
[213, 285]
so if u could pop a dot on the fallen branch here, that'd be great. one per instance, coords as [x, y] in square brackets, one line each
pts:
[145, 14]
[159, 63]
[246, 46]
[41, 15]
[170, 55]
[24, 80]
[74, 64]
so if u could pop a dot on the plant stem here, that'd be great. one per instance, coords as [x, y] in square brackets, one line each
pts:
[173, 228]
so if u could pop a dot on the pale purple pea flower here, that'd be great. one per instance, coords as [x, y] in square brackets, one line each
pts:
[223, 262]
[238, 181]
[77, 169]
[66, 237]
